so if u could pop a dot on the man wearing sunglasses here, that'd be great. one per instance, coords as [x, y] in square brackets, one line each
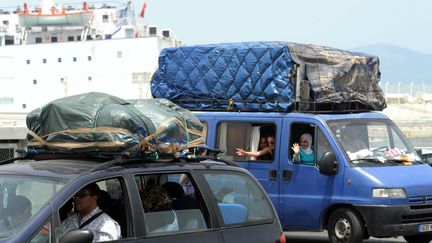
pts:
[90, 217]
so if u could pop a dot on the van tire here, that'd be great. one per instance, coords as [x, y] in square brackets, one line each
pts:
[418, 238]
[345, 226]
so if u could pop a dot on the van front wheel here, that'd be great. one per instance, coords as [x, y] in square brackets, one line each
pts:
[345, 226]
[418, 238]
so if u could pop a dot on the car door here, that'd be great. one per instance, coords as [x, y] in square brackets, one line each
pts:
[244, 211]
[181, 215]
[305, 193]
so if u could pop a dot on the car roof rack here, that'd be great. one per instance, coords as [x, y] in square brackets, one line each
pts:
[108, 160]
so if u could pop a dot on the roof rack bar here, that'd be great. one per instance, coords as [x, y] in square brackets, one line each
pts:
[352, 106]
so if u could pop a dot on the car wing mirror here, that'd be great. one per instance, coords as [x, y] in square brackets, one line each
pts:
[77, 236]
[328, 164]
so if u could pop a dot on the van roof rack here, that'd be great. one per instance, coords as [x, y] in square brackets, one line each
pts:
[354, 106]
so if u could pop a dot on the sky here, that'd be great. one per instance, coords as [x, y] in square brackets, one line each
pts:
[344, 24]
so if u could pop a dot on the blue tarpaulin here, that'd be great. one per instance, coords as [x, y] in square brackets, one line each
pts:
[264, 76]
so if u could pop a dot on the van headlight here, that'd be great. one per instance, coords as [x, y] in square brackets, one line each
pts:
[388, 193]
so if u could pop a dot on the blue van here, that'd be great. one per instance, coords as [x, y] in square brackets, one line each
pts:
[354, 190]
[355, 175]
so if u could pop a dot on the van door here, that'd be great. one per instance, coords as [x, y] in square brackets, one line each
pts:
[305, 192]
[245, 132]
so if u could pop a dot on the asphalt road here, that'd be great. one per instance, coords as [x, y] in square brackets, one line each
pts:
[321, 237]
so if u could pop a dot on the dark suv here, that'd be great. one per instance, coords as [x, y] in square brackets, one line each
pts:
[214, 201]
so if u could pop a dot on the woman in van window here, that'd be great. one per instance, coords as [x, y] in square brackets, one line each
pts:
[303, 153]
[265, 151]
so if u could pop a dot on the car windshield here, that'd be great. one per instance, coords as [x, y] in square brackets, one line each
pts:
[373, 142]
[21, 197]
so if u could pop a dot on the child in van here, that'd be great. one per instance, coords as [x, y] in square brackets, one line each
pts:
[303, 153]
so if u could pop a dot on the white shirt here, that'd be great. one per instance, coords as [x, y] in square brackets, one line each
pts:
[103, 227]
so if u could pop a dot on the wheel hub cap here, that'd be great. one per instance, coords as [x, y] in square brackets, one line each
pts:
[342, 229]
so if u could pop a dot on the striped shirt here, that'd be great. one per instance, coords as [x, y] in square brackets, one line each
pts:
[103, 227]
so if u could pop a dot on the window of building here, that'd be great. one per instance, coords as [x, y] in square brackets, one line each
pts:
[38, 39]
[54, 39]
[74, 59]
[105, 18]
[70, 38]
[119, 54]
[247, 141]
[78, 38]
[9, 42]
[172, 203]
[5, 22]
[44, 60]
[59, 59]
[28, 61]
[34, 81]
[44, 29]
[89, 58]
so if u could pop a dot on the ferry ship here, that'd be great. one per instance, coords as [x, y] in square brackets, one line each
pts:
[51, 51]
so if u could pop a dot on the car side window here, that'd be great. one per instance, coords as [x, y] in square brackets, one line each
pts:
[107, 223]
[239, 198]
[247, 141]
[43, 235]
[171, 203]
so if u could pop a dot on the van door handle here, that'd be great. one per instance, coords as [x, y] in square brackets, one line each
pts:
[286, 175]
[272, 174]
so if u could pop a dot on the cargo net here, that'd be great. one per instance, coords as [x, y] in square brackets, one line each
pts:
[97, 123]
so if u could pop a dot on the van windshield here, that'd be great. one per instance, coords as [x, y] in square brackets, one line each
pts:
[373, 142]
[21, 197]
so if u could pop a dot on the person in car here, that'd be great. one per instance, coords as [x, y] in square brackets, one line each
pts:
[19, 209]
[155, 199]
[303, 153]
[90, 217]
[265, 149]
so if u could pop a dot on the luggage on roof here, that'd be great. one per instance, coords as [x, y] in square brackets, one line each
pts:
[267, 76]
[101, 123]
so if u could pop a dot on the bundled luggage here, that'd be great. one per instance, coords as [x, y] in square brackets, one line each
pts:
[102, 123]
[267, 76]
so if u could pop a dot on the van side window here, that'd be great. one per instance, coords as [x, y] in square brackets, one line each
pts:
[171, 204]
[243, 141]
[205, 130]
[322, 145]
[239, 199]
[302, 144]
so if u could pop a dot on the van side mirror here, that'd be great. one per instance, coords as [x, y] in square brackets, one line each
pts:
[328, 164]
[419, 152]
[78, 236]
